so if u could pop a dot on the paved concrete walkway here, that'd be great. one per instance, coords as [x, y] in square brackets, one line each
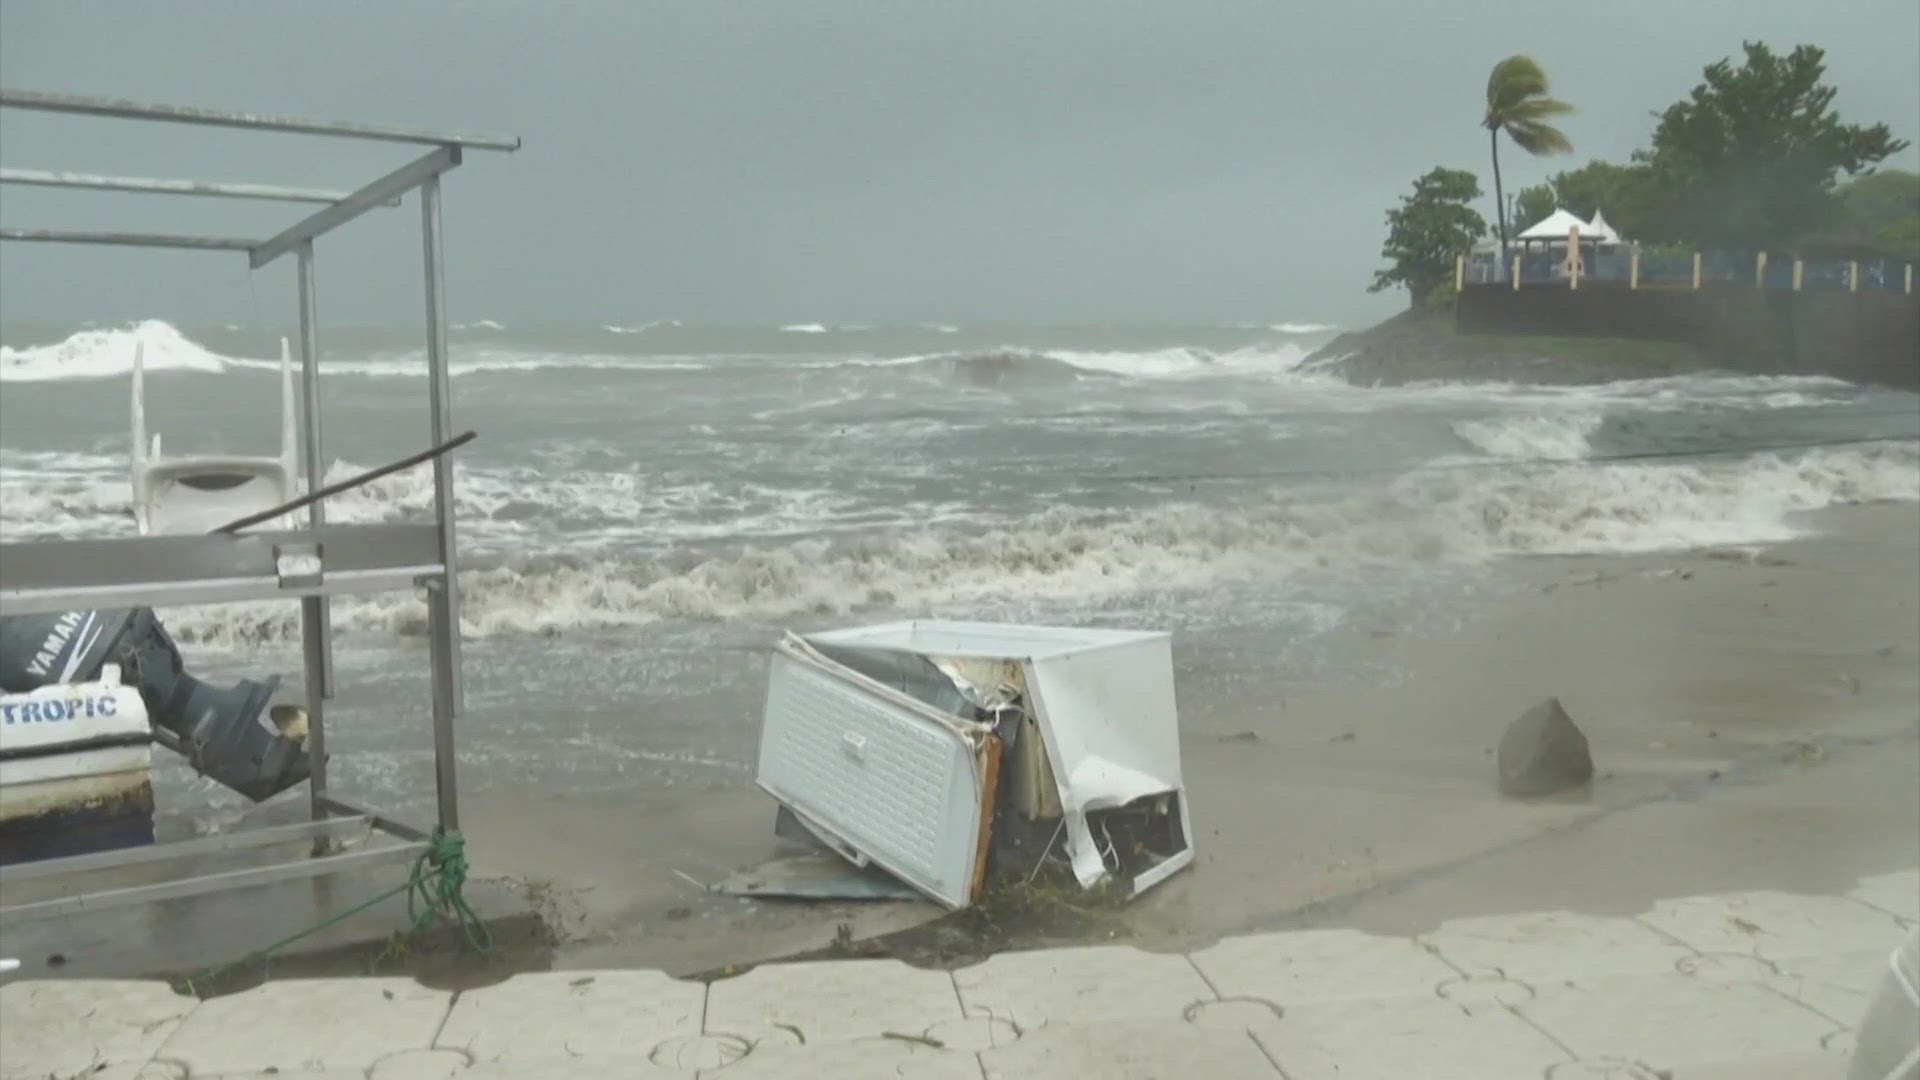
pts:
[1749, 985]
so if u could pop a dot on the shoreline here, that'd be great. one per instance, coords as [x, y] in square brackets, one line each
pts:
[1421, 346]
[1725, 686]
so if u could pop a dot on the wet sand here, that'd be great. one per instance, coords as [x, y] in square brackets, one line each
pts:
[1752, 713]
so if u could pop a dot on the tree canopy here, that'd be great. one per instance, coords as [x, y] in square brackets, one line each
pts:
[1880, 213]
[1624, 192]
[1753, 154]
[1427, 230]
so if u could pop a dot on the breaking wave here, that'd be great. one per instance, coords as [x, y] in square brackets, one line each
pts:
[1550, 437]
[99, 354]
[1457, 516]
[1175, 363]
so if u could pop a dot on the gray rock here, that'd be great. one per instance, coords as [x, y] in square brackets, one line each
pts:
[1543, 752]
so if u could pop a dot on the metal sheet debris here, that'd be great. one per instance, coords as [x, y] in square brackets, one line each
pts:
[939, 751]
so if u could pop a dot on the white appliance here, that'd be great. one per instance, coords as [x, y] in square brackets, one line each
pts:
[884, 775]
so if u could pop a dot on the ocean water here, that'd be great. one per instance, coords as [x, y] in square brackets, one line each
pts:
[648, 506]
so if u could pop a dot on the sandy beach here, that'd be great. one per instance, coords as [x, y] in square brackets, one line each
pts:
[1752, 712]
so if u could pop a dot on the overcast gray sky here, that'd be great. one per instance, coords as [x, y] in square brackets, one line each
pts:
[1062, 161]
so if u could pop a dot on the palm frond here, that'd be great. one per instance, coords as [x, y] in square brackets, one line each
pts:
[1537, 109]
[1512, 81]
[1537, 138]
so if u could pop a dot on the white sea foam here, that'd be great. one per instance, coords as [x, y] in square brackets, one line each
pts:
[97, 354]
[1300, 327]
[475, 362]
[805, 328]
[1460, 516]
[642, 328]
[1159, 363]
[1175, 363]
[1533, 437]
[483, 324]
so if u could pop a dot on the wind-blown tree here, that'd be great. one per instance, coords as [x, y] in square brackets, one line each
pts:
[1427, 230]
[1752, 156]
[1624, 192]
[1518, 104]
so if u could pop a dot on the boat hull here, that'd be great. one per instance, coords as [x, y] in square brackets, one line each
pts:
[76, 815]
[74, 771]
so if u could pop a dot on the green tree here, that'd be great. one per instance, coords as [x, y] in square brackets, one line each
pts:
[1427, 230]
[1879, 199]
[1517, 103]
[1882, 211]
[1623, 192]
[1530, 204]
[1751, 157]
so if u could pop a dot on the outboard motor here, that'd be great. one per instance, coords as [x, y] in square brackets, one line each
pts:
[219, 731]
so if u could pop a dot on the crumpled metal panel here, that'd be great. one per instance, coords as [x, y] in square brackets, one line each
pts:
[885, 778]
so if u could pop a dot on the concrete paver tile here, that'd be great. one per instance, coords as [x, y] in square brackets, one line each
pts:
[1814, 1065]
[1320, 965]
[1553, 946]
[564, 1015]
[1897, 893]
[68, 1028]
[831, 1001]
[311, 1024]
[867, 1059]
[1775, 924]
[610, 1067]
[297, 1074]
[1671, 1020]
[1406, 1037]
[1130, 1050]
[1839, 984]
[428, 1064]
[1073, 986]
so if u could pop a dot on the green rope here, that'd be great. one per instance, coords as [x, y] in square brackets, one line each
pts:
[435, 889]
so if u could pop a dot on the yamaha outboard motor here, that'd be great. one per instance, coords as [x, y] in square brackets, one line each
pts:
[219, 731]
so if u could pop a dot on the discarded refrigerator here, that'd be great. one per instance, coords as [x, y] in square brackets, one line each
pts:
[943, 751]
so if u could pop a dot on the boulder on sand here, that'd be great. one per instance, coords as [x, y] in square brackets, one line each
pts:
[1543, 752]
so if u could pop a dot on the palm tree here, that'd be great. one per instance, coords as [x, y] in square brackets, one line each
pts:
[1517, 103]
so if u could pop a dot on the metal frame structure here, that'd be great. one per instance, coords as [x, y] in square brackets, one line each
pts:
[312, 564]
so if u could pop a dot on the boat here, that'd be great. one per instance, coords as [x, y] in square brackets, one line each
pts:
[76, 743]
[74, 761]
[195, 494]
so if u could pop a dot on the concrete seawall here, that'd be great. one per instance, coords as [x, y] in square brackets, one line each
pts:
[1867, 336]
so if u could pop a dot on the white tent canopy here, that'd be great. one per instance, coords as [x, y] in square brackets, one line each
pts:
[1557, 225]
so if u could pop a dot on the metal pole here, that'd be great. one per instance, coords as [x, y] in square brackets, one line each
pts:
[1799, 272]
[1760, 270]
[443, 595]
[316, 624]
[310, 432]
[1696, 271]
[1633, 270]
[1853, 276]
[51, 178]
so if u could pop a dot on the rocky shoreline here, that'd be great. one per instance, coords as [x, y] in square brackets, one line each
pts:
[1423, 346]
